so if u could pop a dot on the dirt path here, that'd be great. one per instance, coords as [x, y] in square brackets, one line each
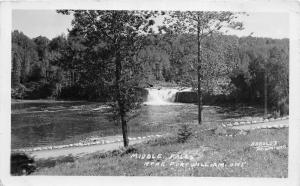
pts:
[271, 124]
[83, 150]
[79, 151]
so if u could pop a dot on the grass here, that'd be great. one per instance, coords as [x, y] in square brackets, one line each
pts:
[210, 147]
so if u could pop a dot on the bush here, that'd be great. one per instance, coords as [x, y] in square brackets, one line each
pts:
[184, 133]
[21, 164]
[18, 92]
[40, 90]
[129, 150]
[77, 92]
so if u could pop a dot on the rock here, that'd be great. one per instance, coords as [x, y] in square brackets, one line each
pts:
[186, 97]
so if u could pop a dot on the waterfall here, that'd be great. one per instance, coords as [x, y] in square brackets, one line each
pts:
[161, 96]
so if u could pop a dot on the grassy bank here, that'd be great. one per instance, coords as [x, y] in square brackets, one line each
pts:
[209, 149]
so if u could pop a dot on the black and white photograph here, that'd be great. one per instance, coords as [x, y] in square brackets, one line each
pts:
[149, 92]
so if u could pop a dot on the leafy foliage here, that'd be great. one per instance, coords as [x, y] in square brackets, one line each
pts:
[202, 24]
[108, 43]
[184, 133]
[82, 65]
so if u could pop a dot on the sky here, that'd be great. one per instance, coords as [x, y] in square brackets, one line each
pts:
[48, 23]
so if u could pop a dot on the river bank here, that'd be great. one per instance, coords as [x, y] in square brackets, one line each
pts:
[203, 154]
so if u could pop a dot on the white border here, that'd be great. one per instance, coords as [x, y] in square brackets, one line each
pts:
[293, 7]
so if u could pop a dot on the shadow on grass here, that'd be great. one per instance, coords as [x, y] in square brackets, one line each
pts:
[51, 162]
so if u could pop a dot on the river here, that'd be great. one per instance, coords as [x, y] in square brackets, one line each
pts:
[41, 123]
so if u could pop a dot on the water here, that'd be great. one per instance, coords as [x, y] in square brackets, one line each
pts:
[40, 123]
[162, 96]
[47, 123]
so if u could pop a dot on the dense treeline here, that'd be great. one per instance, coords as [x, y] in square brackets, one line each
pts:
[33, 75]
[234, 69]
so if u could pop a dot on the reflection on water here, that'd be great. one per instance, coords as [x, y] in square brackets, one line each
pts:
[35, 125]
[52, 132]
[169, 113]
[39, 124]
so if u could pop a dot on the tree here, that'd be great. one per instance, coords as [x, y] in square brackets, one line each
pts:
[16, 67]
[24, 54]
[179, 48]
[111, 40]
[43, 54]
[261, 75]
[203, 24]
[278, 80]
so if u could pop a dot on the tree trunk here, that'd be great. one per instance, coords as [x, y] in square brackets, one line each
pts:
[124, 131]
[265, 94]
[120, 100]
[199, 97]
[199, 77]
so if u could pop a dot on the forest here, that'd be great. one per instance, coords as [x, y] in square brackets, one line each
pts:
[76, 67]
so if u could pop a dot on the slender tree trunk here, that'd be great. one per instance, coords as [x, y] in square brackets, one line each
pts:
[120, 101]
[199, 77]
[124, 131]
[265, 93]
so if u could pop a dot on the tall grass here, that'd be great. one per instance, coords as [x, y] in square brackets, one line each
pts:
[220, 149]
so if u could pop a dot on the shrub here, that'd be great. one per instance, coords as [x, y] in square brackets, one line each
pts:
[40, 90]
[78, 92]
[184, 133]
[18, 92]
[21, 164]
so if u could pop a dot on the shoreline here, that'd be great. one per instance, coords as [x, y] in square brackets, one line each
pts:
[16, 101]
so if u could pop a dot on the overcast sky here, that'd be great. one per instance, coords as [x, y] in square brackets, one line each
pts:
[48, 23]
